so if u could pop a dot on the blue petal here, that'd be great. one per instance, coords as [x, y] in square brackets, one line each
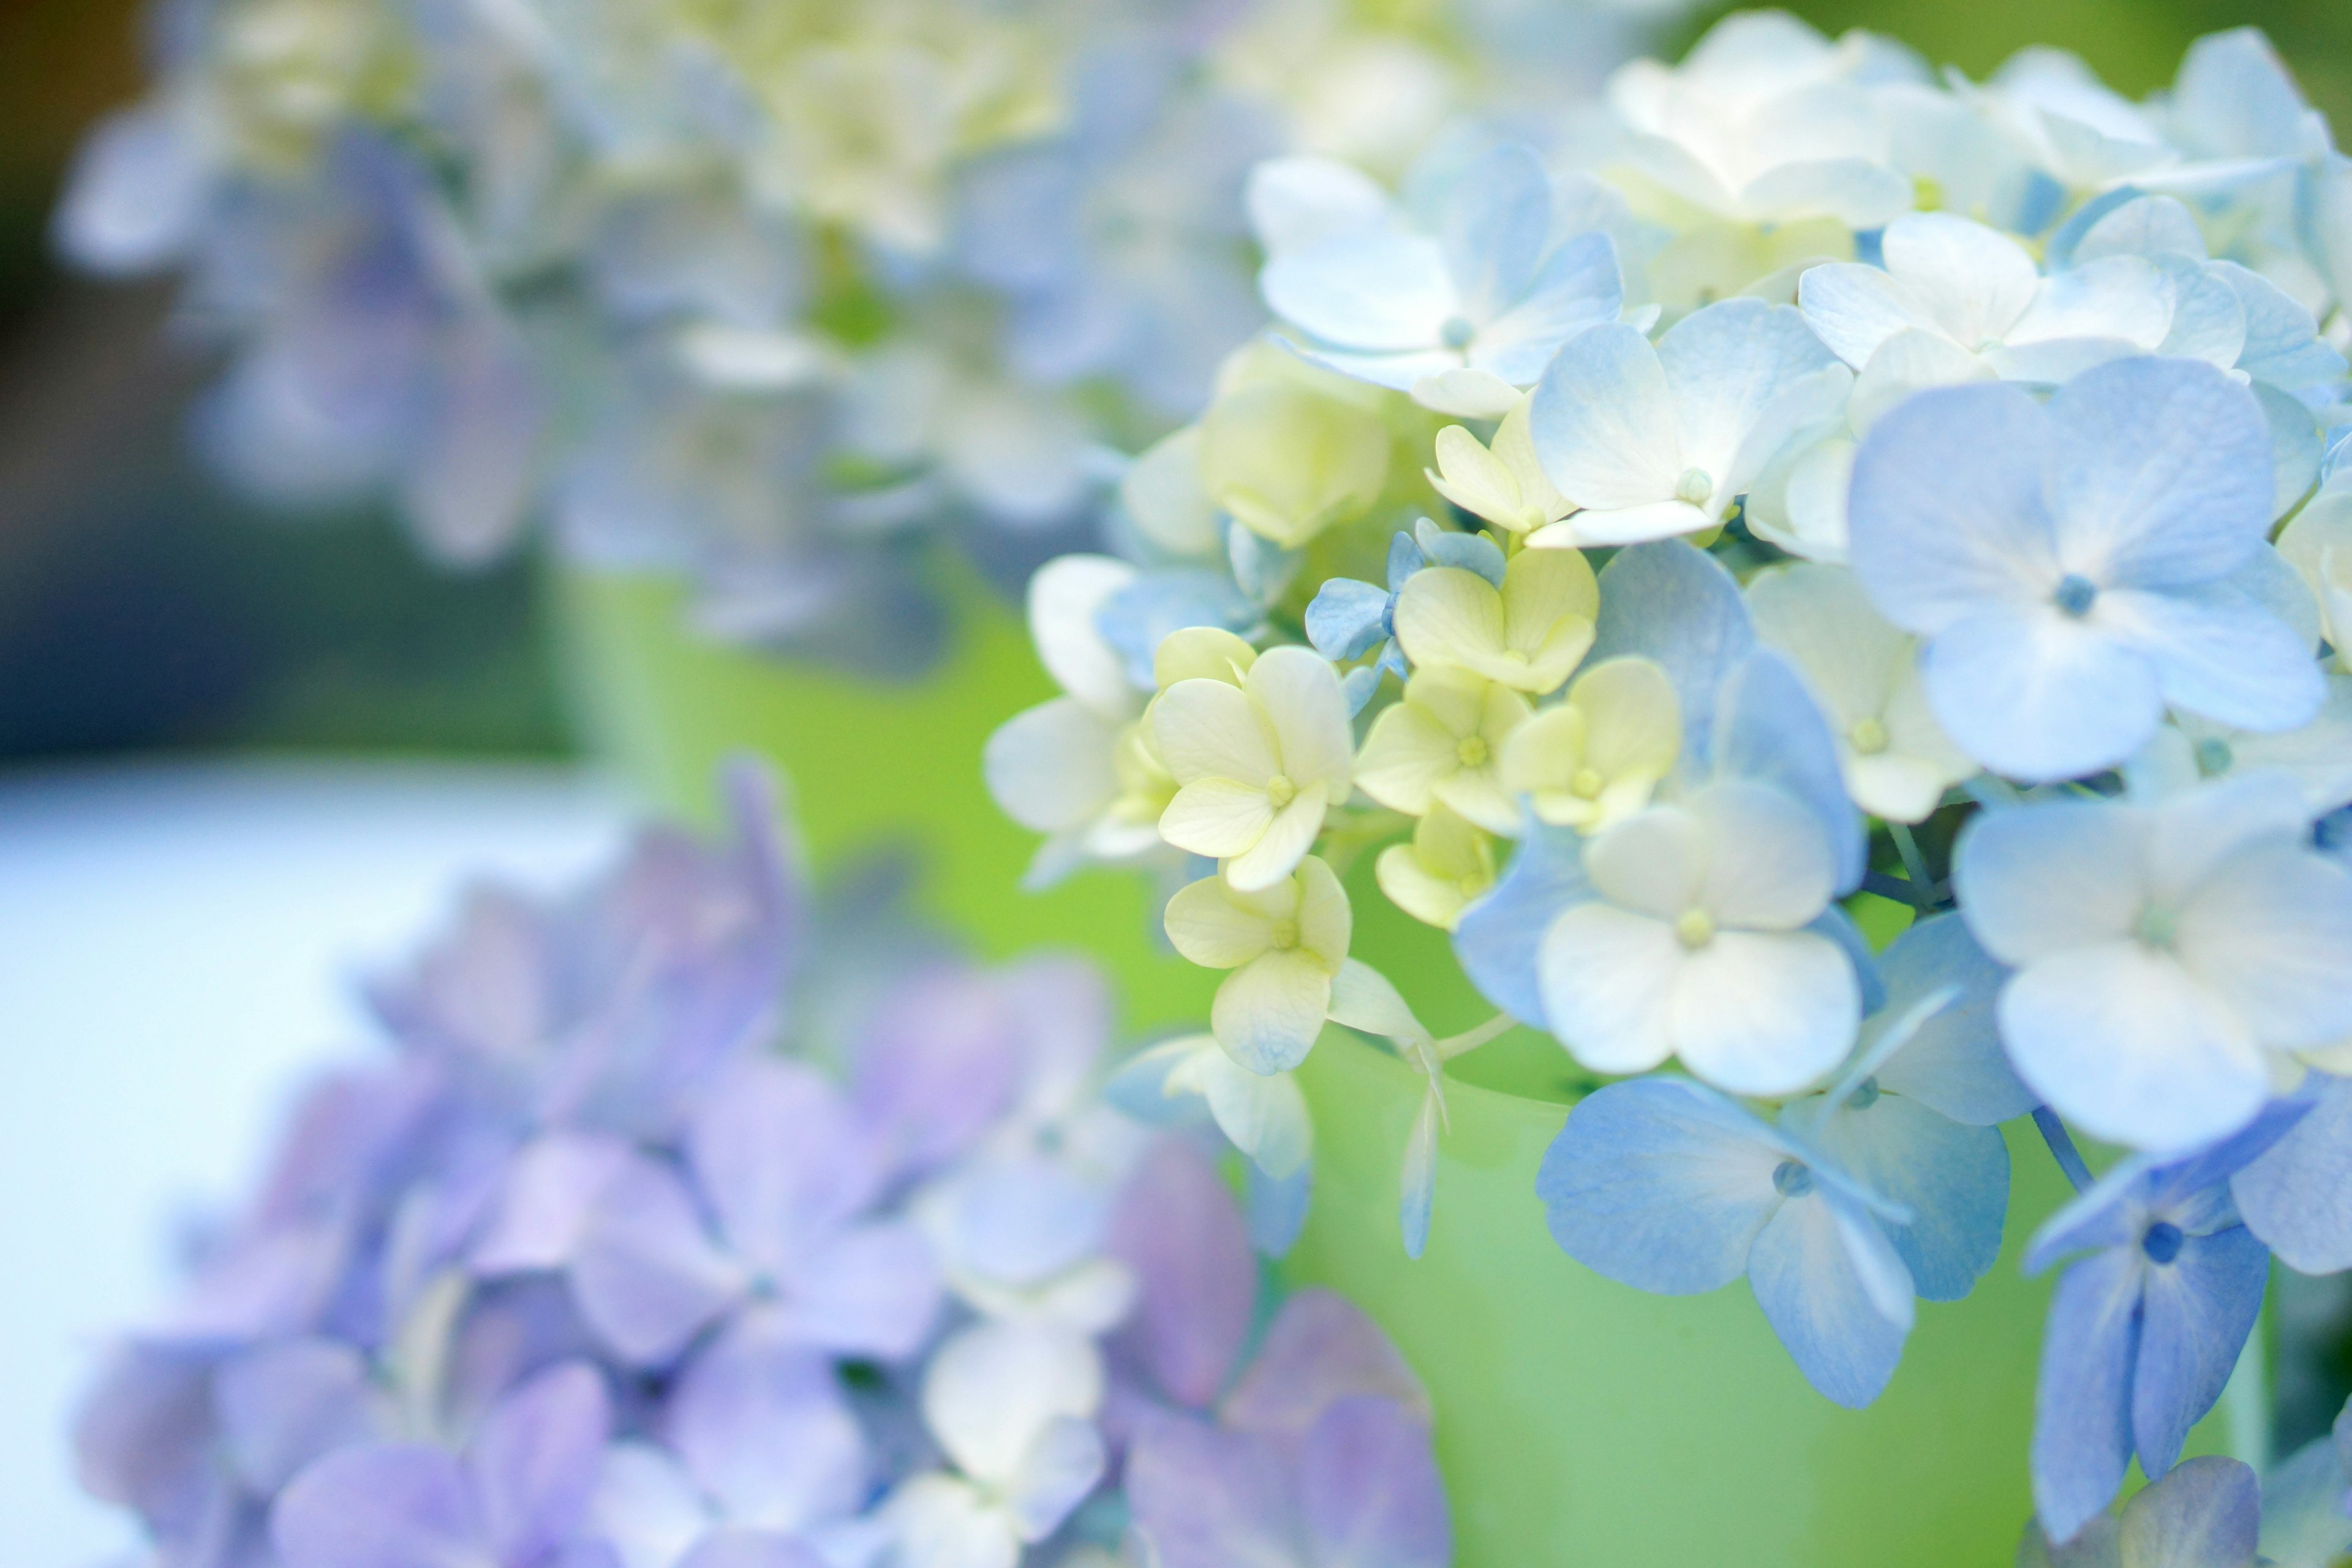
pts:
[1662, 1185]
[1834, 923]
[2207, 1513]
[1277, 1207]
[2297, 1196]
[1954, 1064]
[1346, 617]
[1953, 1178]
[1579, 287]
[1263, 571]
[2082, 1411]
[1492, 225]
[1405, 558]
[1769, 728]
[1670, 602]
[1498, 938]
[1137, 619]
[1358, 685]
[2196, 1313]
[1469, 551]
[1825, 1277]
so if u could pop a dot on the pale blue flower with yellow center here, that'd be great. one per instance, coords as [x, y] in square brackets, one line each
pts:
[2171, 959]
[2073, 569]
[1696, 946]
[1668, 1186]
[2145, 1331]
[1462, 313]
[1654, 441]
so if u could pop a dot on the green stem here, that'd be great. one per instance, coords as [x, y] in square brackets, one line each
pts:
[1470, 1040]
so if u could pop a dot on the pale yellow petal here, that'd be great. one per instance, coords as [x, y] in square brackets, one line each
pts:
[1445, 614]
[1287, 839]
[1267, 1012]
[1447, 843]
[1545, 753]
[1633, 719]
[1208, 728]
[1326, 922]
[1453, 694]
[1474, 480]
[1515, 447]
[1542, 588]
[1215, 930]
[1288, 462]
[1404, 756]
[1201, 653]
[1298, 692]
[1478, 794]
[1420, 892]
[1217, 818]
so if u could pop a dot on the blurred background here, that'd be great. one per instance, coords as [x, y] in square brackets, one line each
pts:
[242, 752]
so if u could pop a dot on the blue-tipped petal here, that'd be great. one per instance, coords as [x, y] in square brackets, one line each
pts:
[2082, 1410]
[1499, 938]
[1836, 1294]
[1662, 1185]
[1675, 603]
[2196, 1313]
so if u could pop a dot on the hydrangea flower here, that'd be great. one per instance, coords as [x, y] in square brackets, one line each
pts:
[2165, 955]
[1460, 314]
[1257, 764]
[1593, 759]
[1976, 294]
[2145, 1331]
[1286, 946]
[1696, 947]
[1442, 745]
[1897, 759]
[1527, 633]
[2205, 1512]
[2070, 569]
[1311, 1452]
[1654, 441]
[1667, 1186]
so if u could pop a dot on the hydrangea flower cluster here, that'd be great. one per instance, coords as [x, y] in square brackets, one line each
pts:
[631, 1254]
[746, 290]
[1820, 489]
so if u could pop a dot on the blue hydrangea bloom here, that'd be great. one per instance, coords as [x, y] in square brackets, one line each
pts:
[2073, 569]
[1483, 288]
[2145, 1331]
[1668, 1186]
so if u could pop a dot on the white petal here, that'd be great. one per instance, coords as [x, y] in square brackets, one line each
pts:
[1298, 691]
[994, 1389]
[2125, 1044]
[1603, 423]
[1765, 1013]
[1050, 769]
[1269, 1012]
[1609, 982]
[1769, 865]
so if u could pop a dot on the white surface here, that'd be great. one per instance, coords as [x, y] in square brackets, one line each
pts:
[177, 948]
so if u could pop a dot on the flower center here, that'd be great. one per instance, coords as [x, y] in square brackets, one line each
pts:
[2075, 594]
[1868, 736]
[2214, 757]
[1280, 792]
[1283, 935]
[1696, 486]
[1791, 1180]
[2162, 1242]
[1587, 784]
[1472, 751]
[1457, 332]
[1696, 929]
[2156, 927]
[1866, 1094]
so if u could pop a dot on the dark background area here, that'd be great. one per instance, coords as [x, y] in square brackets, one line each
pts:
[142, 607]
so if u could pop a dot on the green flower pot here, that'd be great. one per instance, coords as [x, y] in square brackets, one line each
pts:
[1579, 1421]
[873, 766]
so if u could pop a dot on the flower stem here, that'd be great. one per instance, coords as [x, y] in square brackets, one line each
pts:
[1470, 1040]
[2062, 1146]
[1914, 865]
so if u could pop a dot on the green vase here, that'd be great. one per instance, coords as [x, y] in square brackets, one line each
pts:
[1579, 1421]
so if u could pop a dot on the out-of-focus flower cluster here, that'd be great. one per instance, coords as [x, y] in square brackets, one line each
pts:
[632, 1256]
[1820, 489]
[750, 291]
